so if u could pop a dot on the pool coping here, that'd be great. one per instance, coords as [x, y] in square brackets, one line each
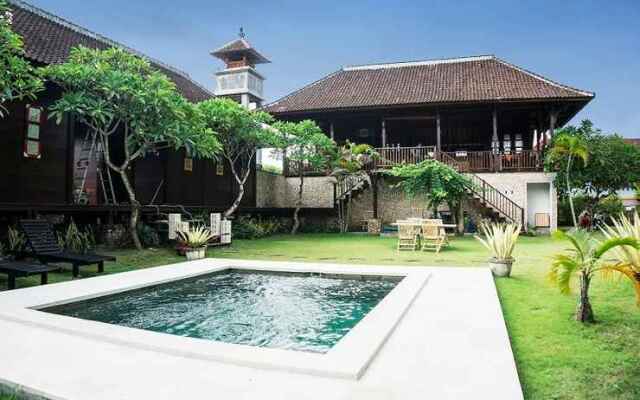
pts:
[348, 359]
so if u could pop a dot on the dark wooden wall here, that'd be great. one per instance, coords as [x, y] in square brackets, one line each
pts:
[203, 187]
[49, 180]
[27, 180]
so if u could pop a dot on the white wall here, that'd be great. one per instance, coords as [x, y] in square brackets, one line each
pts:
[538, 200]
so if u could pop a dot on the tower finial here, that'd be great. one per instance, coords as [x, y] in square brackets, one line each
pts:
[241, 34]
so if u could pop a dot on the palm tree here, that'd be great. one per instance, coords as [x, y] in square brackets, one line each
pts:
[585, 259]
[572, 147]
[628, 257]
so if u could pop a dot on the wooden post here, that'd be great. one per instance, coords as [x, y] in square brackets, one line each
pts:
[331, 131]
[438, 133]
[553, 118]
[383, 133]
[495, 141]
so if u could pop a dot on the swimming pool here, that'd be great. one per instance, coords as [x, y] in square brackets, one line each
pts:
[293, 311]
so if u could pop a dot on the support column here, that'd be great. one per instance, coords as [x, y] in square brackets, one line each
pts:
[383, 133]
[553, 119]
[495, 142]
[374, 197]
[438, 133]
[331, 131]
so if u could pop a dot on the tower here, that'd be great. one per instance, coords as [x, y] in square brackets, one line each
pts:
[240, 80]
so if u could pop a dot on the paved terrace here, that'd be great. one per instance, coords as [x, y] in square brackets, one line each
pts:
[452, 343]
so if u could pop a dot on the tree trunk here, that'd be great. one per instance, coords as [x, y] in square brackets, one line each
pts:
[459, 219]
[584, 312]
[374, 195]
[135, 209]
[569, 195]
[241, 182]
[296, 220]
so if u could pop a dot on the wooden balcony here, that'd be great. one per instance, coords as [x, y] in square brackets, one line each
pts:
[468, 161]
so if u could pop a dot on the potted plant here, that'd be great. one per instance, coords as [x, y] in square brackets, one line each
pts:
[195, 242]
[500, 239]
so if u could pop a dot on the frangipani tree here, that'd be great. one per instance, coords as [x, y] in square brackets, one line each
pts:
[306, 148]
[241, 133]
[119, 96]
[18, 79]
[583, 261]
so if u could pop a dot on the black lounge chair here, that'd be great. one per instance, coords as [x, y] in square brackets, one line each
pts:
[16, 269]
[45, 247]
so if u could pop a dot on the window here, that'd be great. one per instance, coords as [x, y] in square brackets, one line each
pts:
[32, 146]
[219, 169]
[519, 143]
[188, 164]
[506, 144]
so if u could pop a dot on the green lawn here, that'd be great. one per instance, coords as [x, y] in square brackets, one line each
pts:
[557, 358]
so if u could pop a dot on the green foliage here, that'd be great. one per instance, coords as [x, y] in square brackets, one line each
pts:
[117, 93]
[354, 158]
[500, 239]
[584, 260]
[114, 89]
[436, 181]
[612, 164]
[195, 237]
[241, 133]
[605, 209]
[306, 145]
[76, 240]
[16, 241]
[148, 236]
[18, 79]
[248, 227]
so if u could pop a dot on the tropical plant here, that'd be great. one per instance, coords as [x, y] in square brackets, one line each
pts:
[76, 240]
[18, 79]
[16, 240]
[628, 257]
[195, 238]
[306, 148]
[352, 167]
[500, 239]
[121, 96]
[569, 147]
[248, 227]
[583, 261]
[241, 133]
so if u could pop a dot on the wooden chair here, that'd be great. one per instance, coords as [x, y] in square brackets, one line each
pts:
[44, 246]
[433, 237]
[407, 236]
[16, 269]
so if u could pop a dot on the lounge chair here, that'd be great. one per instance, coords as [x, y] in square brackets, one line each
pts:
[45, 247]
[433, 237]
[18, 269]
[408, 236]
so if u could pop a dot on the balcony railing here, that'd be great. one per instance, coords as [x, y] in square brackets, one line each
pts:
[468, 161]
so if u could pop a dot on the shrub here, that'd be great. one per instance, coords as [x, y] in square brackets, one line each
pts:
[15, 241]
[148, 236]
[248, 227]
[76, 240]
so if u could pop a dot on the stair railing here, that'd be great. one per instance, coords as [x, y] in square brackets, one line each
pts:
[487, 193]
[347, 184]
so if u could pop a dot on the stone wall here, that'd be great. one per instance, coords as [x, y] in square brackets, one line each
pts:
[278, 191]
[393, 204]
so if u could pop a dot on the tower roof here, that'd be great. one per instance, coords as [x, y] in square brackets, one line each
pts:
[237, 48]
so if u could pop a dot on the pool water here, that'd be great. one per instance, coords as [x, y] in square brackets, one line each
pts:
[296, 311]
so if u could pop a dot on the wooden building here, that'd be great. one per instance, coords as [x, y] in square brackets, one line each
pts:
[47, 167]
[482, 115]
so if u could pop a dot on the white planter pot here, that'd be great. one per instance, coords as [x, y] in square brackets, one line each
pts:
[196, 254]
[501, 268]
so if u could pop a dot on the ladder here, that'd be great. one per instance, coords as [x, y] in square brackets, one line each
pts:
[92, 149]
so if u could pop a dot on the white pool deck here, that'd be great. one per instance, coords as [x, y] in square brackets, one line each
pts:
[451, 343]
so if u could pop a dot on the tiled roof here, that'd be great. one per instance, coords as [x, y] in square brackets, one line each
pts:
[48, 39]
[635, 141]
[458, 80]
[240, 45]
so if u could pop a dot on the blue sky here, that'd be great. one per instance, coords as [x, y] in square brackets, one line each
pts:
[591, 45]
